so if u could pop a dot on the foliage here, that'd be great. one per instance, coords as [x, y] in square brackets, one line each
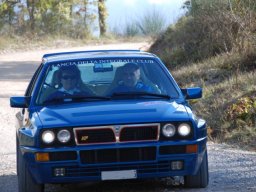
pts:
[221, 89]
[150, 24]
[214, 46]
[102, 10]
[70, 17]
[208, 29]
[7, 13]
[243, 110]
[131, 30]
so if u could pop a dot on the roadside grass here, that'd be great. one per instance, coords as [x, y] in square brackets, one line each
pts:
[7, 42]
[223, 86]
[245, 136]
[30, 42]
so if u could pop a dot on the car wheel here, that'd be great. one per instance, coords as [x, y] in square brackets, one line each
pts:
[25, 180]
[201, 179]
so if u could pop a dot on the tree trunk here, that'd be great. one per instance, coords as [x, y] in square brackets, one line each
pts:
[102, 11]
[31, 12]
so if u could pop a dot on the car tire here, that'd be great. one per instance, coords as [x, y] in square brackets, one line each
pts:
[25, 180]
[201, 179]
[17, 156]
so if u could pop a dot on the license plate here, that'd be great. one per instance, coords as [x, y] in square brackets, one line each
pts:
[118, 175]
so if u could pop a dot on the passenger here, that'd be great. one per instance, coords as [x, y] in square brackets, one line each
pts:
[131, 80]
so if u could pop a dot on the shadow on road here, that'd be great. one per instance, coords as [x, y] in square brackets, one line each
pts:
[8, 183]
[13, 71]
[114, 186]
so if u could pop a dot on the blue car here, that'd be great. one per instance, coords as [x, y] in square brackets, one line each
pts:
[107, 115]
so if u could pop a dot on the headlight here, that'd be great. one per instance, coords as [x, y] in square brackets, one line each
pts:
[168, 130]
[184, 129]
[63, 136]
[48, 137]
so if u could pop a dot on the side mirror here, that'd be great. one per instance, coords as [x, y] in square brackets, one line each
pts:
[20, 102]
[192, 93]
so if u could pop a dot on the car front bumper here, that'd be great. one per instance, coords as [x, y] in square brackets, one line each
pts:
[72, 167]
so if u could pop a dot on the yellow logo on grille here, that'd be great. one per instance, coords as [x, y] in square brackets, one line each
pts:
[84, 138]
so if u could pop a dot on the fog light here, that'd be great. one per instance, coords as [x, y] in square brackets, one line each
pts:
[177, 165]
[59, 172]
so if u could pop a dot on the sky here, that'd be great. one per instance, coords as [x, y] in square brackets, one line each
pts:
[122, 11]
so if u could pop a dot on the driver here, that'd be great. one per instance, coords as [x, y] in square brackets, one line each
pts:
[70, 83]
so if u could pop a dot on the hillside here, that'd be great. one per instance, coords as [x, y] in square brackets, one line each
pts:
[200, 51]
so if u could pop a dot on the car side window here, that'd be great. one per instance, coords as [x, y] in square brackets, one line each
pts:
[32, 81]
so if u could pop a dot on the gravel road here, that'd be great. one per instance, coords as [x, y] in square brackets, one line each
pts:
[231, 169]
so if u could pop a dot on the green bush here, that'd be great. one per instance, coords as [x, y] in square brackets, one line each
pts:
[243, 112]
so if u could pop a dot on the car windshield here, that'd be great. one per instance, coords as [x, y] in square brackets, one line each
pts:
[101, 79]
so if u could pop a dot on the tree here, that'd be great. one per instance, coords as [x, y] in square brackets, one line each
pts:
[102, 13]
[31, 11]
[7, 13]
[70, 18]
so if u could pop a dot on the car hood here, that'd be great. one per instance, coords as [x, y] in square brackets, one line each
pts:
[116, 112]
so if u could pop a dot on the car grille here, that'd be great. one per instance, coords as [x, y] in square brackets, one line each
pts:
[63, 156]
[87, 136]
[142, 168]
[118, 155]
[139, 133]
[172, 149]
[112, 134]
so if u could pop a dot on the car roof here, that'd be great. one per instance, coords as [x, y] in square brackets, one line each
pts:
[94, 54]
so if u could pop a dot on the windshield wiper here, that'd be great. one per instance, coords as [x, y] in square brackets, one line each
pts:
[54, 100]
[139, 94]
[91, 97]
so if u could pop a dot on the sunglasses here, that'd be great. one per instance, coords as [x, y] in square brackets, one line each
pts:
[66, 77]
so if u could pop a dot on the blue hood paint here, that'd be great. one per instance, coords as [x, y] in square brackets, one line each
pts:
[116, 112]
